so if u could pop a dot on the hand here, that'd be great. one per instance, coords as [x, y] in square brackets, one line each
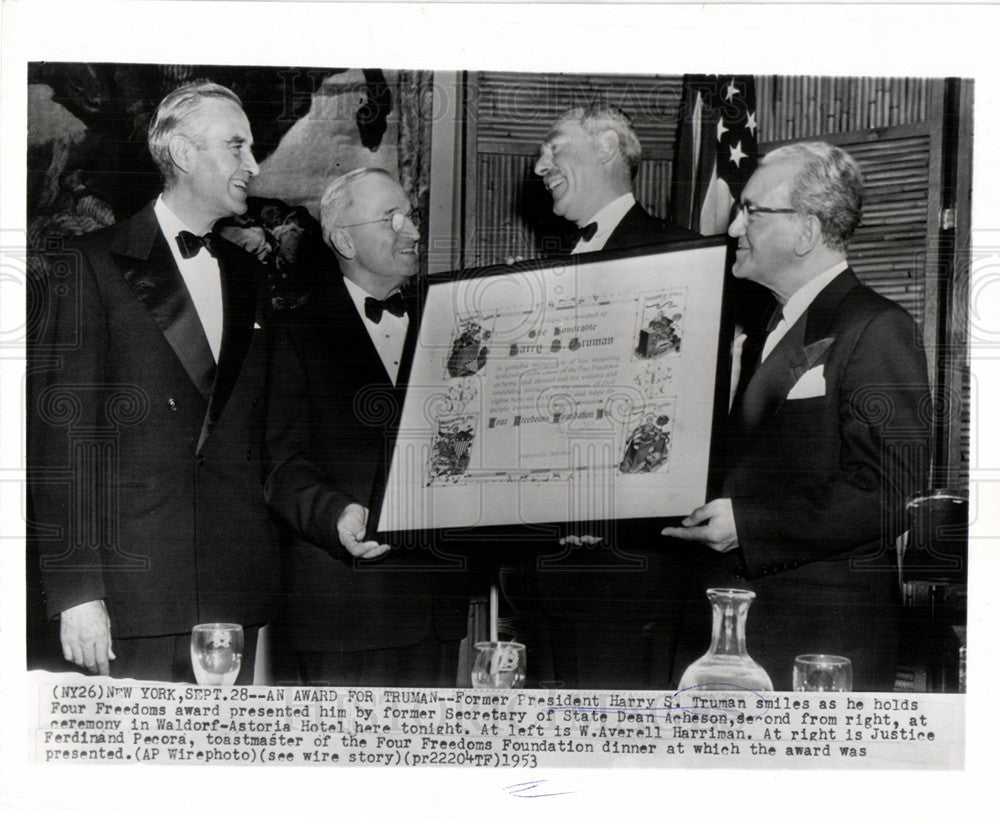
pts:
[85, 633]
[712, 524]
[351, 531]
[580, 540]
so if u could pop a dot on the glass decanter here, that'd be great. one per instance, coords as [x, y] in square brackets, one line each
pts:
[726, 665]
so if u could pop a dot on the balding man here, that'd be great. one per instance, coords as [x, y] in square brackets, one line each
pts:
[333, 399]
[626, 594]
[588, 162]
[829, 430]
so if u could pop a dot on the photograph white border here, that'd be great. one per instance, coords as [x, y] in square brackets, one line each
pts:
[895, 40]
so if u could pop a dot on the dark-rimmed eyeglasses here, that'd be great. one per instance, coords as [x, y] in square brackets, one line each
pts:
[397, 220]
[749, 211]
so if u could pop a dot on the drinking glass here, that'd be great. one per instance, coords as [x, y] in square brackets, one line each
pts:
[822, 673]
[216, 653]
[499, 665]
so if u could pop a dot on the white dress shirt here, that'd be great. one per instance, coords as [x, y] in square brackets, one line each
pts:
[388, 335]
[607, 220]
[200, 273]
[798, 304]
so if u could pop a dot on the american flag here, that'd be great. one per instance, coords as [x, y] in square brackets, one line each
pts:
[717, 152]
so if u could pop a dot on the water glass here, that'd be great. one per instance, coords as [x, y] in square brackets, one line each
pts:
[822, 673]
[499, 665]
[216, 653]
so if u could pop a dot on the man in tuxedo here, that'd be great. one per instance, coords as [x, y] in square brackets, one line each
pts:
[334, 395]
[830, 425]
[145, 414]
[588, 161]
[576, 604]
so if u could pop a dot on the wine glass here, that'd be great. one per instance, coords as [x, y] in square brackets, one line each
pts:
[216, 653]
[822, 673]
[499, 665]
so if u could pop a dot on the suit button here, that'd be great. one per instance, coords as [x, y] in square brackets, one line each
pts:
[249, 455]
[255, 403]
[201, 460]
[172, 404]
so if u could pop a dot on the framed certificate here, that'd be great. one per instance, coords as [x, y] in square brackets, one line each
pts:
[570, 390]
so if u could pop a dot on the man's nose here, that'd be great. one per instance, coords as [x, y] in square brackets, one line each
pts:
[738, 225]
[543, 164]
[249, 163]
[410, 229]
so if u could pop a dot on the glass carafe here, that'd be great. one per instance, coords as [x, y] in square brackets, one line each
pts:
[726, 665]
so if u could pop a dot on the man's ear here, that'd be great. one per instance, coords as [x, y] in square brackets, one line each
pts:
[342, 243]
[810, 236]
[181, 150]
[607, 145]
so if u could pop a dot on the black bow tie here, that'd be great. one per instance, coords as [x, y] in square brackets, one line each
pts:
[395, 304]
[190, 244]
[587, 232]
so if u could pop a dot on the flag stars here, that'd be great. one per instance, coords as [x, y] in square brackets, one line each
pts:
[720, 130]
[752, 122]
[736, 154]
[731, 90]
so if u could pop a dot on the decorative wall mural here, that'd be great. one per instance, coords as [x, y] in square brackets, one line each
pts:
[88, 164]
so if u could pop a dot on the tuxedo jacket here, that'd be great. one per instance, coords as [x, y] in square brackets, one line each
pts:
[639, 228]
[145, 472]
[829, 437]
[331, 412]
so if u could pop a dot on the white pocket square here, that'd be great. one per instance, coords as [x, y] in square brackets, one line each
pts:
[812, 384]
[256, 325]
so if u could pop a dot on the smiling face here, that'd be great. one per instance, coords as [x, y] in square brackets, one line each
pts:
[766, 243]
[220, 161]
[569, 162]
[377, 258]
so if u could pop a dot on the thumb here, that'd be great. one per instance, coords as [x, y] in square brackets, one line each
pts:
[698, 516]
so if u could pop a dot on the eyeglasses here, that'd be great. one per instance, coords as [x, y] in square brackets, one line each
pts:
[749, 211]
[397, 220]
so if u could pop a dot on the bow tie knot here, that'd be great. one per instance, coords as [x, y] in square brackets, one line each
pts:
[395, 304]
[586, 233]
[190, 244]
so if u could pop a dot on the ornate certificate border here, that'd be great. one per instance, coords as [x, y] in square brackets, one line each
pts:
[570, 390]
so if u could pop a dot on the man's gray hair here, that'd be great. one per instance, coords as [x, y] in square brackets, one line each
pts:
[598, 118]
[175, 114]
[828, 185]
[337, 198]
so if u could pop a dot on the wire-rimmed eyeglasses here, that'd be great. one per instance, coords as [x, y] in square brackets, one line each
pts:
[748, 211]
[397, 220]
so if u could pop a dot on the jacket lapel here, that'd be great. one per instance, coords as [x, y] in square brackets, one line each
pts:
[150, 271]
[416, 307]
[803, 347]
[347, 333]
[623, 235]
[239, 308]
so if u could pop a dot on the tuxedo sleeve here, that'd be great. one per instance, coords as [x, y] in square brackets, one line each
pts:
[868, 453]
[67, 395]
[296, 488]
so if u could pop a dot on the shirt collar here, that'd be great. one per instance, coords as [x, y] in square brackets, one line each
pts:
[358, 295]
[610, 215]
[170, 224]
[801, 300]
